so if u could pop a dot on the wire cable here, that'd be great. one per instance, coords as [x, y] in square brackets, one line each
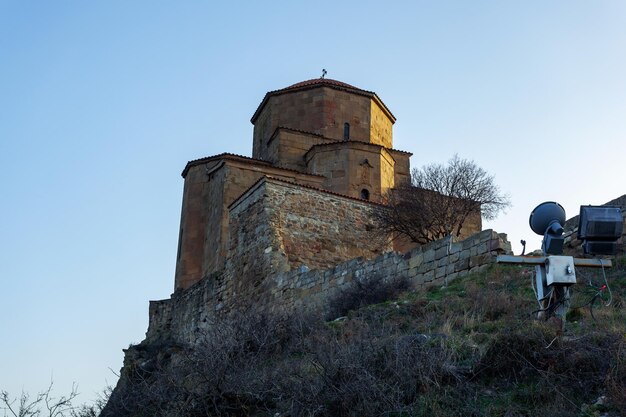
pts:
[532, 285]
[606, 282]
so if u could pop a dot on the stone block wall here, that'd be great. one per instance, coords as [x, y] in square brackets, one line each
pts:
[278, 225]
[435, 264]
[286, 147]
[321, 110]
[402, 167]
[189, 312]
[381, 126]
[350, 167]
[198, 216]
[210, 187]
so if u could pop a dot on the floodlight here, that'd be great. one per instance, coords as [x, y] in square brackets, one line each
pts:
[547, 220]
[599, 227]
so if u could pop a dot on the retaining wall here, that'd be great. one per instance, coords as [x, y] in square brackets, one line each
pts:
[189, 312]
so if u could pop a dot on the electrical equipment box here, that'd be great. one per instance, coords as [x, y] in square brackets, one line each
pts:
[560, 270]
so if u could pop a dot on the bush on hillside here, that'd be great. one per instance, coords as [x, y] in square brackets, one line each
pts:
[470, 349]
[361, 292]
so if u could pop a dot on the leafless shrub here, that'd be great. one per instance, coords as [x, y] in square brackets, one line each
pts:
[367, 371]
[440, 200]
[230, 371]
[45, 403]
[493, 302]
[365, 291]
[291, 365]
[386, 360]
[567, 370]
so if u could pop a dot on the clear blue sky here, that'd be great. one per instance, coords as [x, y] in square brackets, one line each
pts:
[103, 103]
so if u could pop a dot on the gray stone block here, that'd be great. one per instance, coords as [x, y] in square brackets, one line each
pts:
[452, 277]
[440, 272]
[483, 247]
[462, 264]
[486, 235]
[455, 248]
[441, 252]
[429, 276]
[416, 260]
[425, 267]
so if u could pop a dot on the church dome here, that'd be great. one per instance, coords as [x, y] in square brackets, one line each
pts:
[317, 83]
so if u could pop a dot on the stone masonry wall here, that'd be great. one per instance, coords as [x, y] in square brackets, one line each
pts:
[381, 129]
[209, 189]
[295, 226]
[189, 313]
[352, 166]
[321, 110]
[286, 147]
[435, 264]
[197, 216]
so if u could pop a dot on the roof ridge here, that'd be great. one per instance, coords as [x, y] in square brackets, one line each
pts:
[321, 82]
[227, 155]
[337, 142]
[266, 177]
[308, 132]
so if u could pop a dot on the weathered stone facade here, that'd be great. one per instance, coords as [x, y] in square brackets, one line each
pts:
[277, 226]
[323, 107]
[211, 185]
[320, 134]
[187, 314]
[329, 144]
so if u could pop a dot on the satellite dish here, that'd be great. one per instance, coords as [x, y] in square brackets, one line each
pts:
[547, 220]
[545, 215]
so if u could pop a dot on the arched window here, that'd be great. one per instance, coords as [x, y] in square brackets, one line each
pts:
[346, 131]
[365, 195]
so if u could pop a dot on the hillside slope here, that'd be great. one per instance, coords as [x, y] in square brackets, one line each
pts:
[473, 348]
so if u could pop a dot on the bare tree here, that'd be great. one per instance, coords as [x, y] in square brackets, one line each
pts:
[47, 404]
[43, 404]
[440, 200]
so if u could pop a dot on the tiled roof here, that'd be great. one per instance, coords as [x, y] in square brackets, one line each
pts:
[204, 160]
[333, 141]
[320, 82]
[359, 142]
[324, 81]
[306, 132]
[233, 156]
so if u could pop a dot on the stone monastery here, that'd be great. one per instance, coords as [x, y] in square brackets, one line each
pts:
[292, 225]
[323, 151]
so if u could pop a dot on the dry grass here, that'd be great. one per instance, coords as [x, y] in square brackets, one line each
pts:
[471, 349]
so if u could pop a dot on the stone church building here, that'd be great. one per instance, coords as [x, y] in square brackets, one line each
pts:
[322, 160]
